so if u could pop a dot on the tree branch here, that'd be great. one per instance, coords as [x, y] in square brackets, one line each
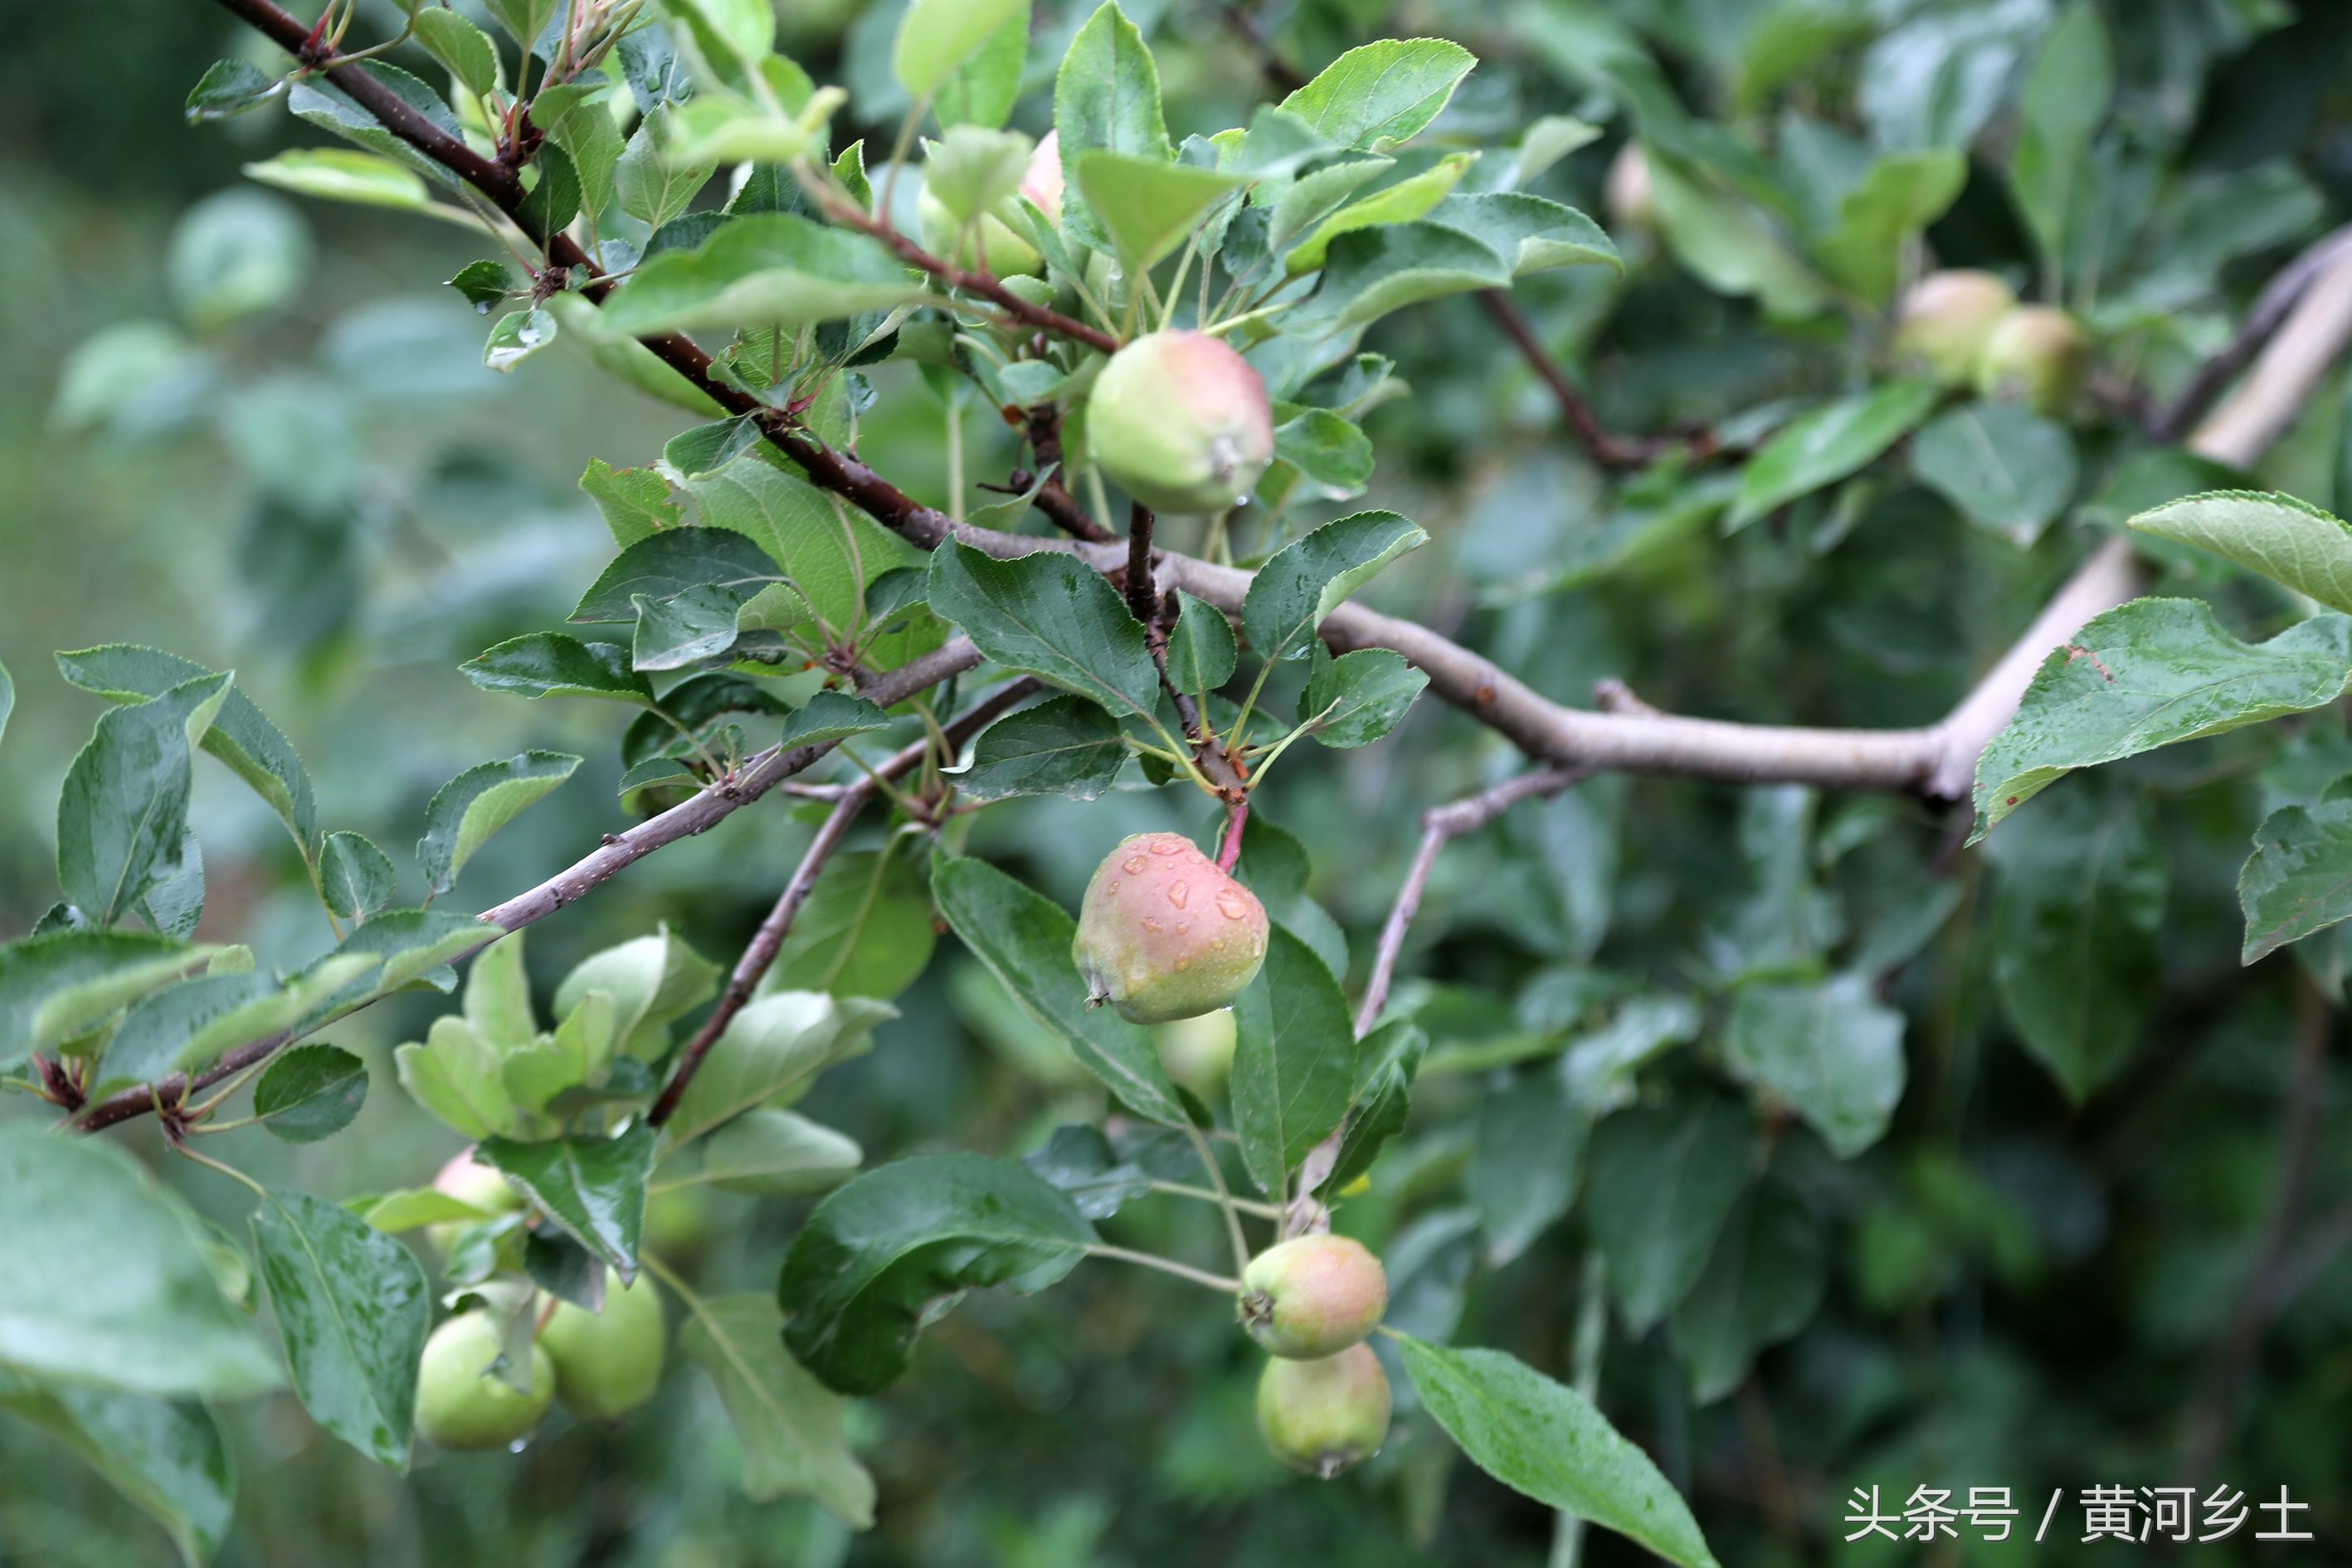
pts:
[1605, 446]
[698, 815]
[1938, 760]
[769, 940]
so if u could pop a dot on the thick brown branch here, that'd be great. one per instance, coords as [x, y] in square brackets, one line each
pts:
[769, 940]
[698, 815]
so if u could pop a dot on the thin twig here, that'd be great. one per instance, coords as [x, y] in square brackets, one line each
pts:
[1166, 1265]
[769, 940]
[1605, 446]
[2270, 311]
[704, 811]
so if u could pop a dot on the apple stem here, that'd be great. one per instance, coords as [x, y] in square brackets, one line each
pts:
[1229, 853]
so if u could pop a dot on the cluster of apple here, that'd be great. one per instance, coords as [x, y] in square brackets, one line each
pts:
[470, 1393]
[1165, 935]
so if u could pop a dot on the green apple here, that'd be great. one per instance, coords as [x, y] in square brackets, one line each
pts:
[1323, 1416]
[460, 1402]
[1181, 422]
[606, 1364]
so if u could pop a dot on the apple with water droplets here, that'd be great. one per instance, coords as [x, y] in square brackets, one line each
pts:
[1165, 933]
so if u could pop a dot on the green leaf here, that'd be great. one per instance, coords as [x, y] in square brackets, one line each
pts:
[788, 1424]
[871, 1264]
[826, 556]
[1294, 1060]
[1402, 202]
[60, 984]
[1024, 940]
[483, 283]
[2299, 879]
[240, 736]
[1729, 245]
[466, 811]
[310, 1093]
[1310, 577]
[2282, 539]
[1356, 698]
[660, 568]
[1319, 455]
[594, 1188]
[938, 36]
[353, 1308]
[769, 1055]
[766, 270]
[2152, 673]
[1546, 1440]
[1387, 1060]
[553, 200]
[2006, 467]
[1467, 243]
[584, 128]
[1065, 745]
[193, 1023]
[457, 43]
[1827, 445]
[1147, 206]
[2081, 907]
[830, 716]
[339, 174]
[327, 106]
[497, 997]
[143, 1313]
[1660, 1181]
[1763, 1284]
[1202, 652]
[517, 335]
[1902, 195]
[743, 28]
[460, 1078]
[2066, 98]
[865, 930]
[1383, 94]
[982, 90]
[651, 981]
[636, 503]
[549, 663]
[416, 946]
[230, 86]
[355, 878]
[171, 1459]
[1105, 99]
[649, 186]
[1051, 615]
[621, 356]
[124, 808]
[1830, 1051]
[777, 1153]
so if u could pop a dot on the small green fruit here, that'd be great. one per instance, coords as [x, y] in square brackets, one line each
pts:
[1322, 1417]
[476, 1186]
[991, 246]
[460, 1402]
[2039, 354]
[1198, 1052]
[1164, 933]
[606, 1364]
[677, 1223]
[1181, 422]
[1628, 191]
[1945, 320]
[1313, 1296]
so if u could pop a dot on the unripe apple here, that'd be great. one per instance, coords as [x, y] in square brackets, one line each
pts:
[1042, 183]
[678, 1222]
[1198, 1052]
[2036, 353]
[1313, 1296]
[991, 245]
[1164, 933]
[1945, 320]
[1323, 1416]
[474, 1185]
[1628, 191]
[460, 1402]
[1181, 422]
[609, 1363]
